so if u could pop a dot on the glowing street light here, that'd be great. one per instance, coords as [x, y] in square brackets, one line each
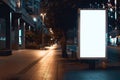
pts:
[34, 19]
[18, 3]
[43, 16]
[51, 31]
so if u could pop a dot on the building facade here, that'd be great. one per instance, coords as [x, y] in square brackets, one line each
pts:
[13, 20]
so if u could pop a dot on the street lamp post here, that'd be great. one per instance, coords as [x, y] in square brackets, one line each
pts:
[43, 17]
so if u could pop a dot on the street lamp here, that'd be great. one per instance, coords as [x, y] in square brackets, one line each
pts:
[35, 22]
[18, 4]
[43, 16]
[51, 31]
[34, 19]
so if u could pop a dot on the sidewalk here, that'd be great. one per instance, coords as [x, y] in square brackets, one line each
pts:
[36, 65]
[54, 67]
[49, 65]
[18, 61]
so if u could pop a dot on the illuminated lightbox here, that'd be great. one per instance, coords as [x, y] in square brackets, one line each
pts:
[92, 34]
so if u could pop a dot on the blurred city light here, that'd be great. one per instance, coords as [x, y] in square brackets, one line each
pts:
[34, 19]
[51, 31]
[43, 16]
[18, 3]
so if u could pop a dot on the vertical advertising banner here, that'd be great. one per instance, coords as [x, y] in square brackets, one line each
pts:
[92, 34]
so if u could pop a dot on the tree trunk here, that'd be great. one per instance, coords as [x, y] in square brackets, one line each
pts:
[63, 45]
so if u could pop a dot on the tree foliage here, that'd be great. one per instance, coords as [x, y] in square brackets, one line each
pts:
[60, 13]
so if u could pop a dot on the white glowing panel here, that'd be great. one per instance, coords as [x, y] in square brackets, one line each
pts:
[92, 34]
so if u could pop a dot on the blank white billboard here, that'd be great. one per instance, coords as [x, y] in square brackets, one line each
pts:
[92, 34]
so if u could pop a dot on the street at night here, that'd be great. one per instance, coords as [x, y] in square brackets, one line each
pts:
[59, 39]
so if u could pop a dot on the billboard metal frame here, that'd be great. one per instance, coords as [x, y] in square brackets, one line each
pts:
[78, 52]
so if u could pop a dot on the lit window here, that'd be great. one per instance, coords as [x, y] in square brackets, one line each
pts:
[20, 37]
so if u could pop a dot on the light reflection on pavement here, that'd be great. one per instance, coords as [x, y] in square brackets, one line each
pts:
[48, 64]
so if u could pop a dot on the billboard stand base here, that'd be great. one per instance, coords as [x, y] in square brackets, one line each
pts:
[92, 64]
